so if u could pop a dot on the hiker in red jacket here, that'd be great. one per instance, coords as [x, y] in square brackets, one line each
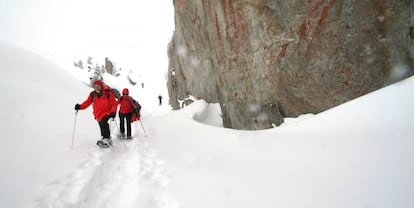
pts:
[104, 108]
[126, 110]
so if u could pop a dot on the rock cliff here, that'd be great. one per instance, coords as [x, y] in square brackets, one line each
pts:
[263, 60]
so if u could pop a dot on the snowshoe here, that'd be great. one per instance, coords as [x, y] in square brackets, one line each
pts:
[104, 143]
[129, 137]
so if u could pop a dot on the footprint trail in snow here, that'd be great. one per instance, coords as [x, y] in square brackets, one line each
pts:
[114, 177]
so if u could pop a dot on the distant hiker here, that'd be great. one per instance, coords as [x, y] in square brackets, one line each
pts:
[160, 99]
[104, 108]
[142, 84]
[128, 111]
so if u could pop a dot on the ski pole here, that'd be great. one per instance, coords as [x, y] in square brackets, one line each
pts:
[116, 124]
[74, 128]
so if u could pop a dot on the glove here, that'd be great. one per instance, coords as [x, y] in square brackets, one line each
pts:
[112, 115]
[77, 106]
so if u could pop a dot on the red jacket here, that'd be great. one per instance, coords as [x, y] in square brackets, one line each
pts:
[125, 102]
[103, 105]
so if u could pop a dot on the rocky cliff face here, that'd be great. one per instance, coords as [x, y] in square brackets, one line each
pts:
[263, 60]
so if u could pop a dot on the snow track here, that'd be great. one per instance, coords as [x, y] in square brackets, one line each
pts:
[114, 177]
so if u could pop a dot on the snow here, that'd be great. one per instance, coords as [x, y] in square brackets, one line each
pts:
[358, 154]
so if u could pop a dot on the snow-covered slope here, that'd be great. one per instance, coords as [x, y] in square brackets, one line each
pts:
[37, 122]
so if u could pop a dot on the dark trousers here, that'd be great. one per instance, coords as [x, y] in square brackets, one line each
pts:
[122, 118]
[103, 124]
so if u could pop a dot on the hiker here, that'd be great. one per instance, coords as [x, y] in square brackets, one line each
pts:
[160, 99]
[127, 112]
[104, 108]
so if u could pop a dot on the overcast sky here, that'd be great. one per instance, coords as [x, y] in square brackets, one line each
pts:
[125, 30]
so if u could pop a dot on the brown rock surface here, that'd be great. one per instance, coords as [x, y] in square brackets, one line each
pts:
[264, 60]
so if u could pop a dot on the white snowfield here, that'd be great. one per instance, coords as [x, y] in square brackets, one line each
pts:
[359, 154]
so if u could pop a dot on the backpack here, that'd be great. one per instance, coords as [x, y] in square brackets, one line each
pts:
[115, 92]
[136, 108]
[136, 115]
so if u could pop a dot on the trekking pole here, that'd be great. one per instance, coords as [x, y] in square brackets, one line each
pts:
[74, 128]
[142, 125]
[116, 124]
